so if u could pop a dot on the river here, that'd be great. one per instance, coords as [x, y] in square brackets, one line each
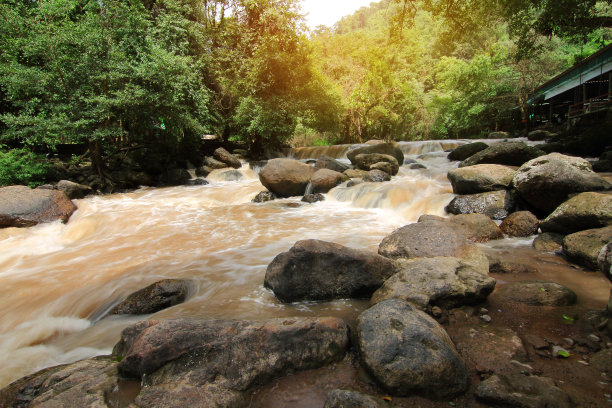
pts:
[58, 280]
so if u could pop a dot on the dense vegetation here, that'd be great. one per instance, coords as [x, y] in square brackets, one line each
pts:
[118, 75]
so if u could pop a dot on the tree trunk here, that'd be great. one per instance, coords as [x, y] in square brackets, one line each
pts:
[96, 157]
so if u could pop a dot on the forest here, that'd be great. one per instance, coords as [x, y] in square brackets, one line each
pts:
[159, 75]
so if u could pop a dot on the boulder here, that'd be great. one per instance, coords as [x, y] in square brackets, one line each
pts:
[539, 135]
[604, 261]
[21, 206]
[548, 181]
[581, 212]
[324, 180]
[354, 173]
[467, 150]
[197, 182]
[367, 161]
[264, 196]
[226, 157]
[352, 399]
[325, 162]
[318, 270]
[383, 148]
[481, 178]
[478, 227]
[496, 205]
[229, 175]
[441, 281]
[548, 242]
[503, 267]
[602, 166]
[214, 163]
[520, 391]
[286, 177]
[203, 171]
[210, 363]
[313, 198]
[584, 247]
[498, 135]
[538, 293]
[158, 296]
[520, 224]
[602, 360]
[174, 177]
[387, 167]
[376, 176]
[408, 352]
[509, 154]
[416, 166]
[73, 190]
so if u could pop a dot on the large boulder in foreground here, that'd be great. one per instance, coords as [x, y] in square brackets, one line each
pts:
[215, 363]
[408, 352]
[496, 205]
[319, 270]
[584, 247]
[158, 296]
[390, 149]
[520, 391]
[481, 178]
[21, 206]
[509, 154]
[548, 181]
[462, 152]
[584, 211]
[226, 157]
[442, 281]
[286, 177]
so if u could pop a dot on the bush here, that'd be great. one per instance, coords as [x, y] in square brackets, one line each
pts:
[19, 166]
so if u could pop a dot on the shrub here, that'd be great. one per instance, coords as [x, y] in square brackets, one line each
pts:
[19, 166]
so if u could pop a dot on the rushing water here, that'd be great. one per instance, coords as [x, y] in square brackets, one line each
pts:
[57, 280]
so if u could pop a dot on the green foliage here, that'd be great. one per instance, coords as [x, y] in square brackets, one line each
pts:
[19, 166]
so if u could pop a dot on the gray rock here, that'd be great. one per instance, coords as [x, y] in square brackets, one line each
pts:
[520, 391]
[197, 182]
[496, 205]
[584, 247]
[507, 153]
[21, 206]
[318, 270]
[325, 162]
[73, 190]
[203, 171]
[581, 212]
[604, 261]
[539, 134]
[383, 148]
[352, 399]
[467, 150]
[376, 176]
[442, 281]
[520, 224]
[538, 293]
[367, 161]
[214, 163]
[158, 296]
[481, 178]
[547, 181]
[226, 157]
[408, 352]
[286, 177]
[548, 242]
[324, 180]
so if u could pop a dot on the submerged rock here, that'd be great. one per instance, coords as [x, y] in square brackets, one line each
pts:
[548, 242]
[264, 196]
[584, 247]
[496, 205]
[319, 270]
[158, 296]
[584, 211]
[481, 178]
[520, 224]
[313, 198]
[352, 399]
[467, 150]
[408, 352]
[538, 293]
[507, 153]
[21, 206]
[286, 177]
[520, 391]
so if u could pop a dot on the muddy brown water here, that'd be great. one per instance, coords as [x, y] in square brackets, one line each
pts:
[58, 280]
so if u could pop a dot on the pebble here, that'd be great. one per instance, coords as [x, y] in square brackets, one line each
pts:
[594, 338]
[583, 362]
[486, 318]
[483, 311]
[559, 351]
[568, 342]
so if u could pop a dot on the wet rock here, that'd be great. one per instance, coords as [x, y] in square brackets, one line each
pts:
[286, 177]
[536, 342]
[416, 166]
[367, 161]
[496, 205]
[331, 164]
[158, 296]
[498, 135]
[581, 212]
[539, 134]
[548, 242]
[603, 166]
[214, 163]
[520, 391]
[21, 206]
[387, 167]
[547, 181]
[382, 148]
[509, 154]
[73, 190]
[408, 352]
[478, 227]
[229, 175]
[442, 281]
[354, 173]
[503, 267]
[602, 360]
[352, 399]
[467, 150]
[324, 180]
[313, 198]
[197, 182]
[376, 176]
[538, 293]
[174, 177]
[226, 157]
[481, 178]
[318, 270]
[204, 363]
[584, 247]
[203, 171]
[604, 261]
[264, 196]
[520, 224]
[85, 383]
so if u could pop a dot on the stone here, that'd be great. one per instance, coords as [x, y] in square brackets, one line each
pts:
[324, 180]
[226, 157]
[481, 178]
[498, 135]
[286, 177]
[548, 242]
[520, 224]
[319, 270]
[604, 262]
[313, 198]
[174, 177]
[520, 391]
[383, 148]
[584, 247]
[264, 196]
[547, 181]
[229, 175]
[467, 150]
[387, 167]
[602, 360]
[73, 190]
[197, 182]
[158, 296]
[325, 162]
[507, 153]
[539, 135]
[214, 164]
[538, 293]
[417, 166]
[366, 161]
[581, 212]
[560, 352]
[441, 281]
[478, 227]
[354, 173]
[352, 399]
[21, 206]
[503, 267]
[376, 176]
[408, 352]
[496, 205]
